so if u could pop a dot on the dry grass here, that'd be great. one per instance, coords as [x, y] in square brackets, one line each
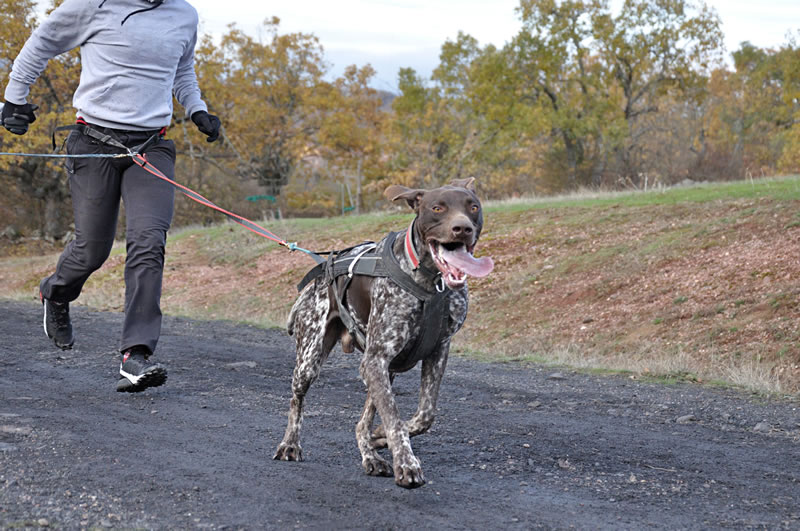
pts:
[653, 363]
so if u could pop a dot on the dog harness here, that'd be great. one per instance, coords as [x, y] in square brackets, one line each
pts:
[368, 262]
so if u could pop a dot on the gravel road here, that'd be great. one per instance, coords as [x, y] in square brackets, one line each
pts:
[513, 447]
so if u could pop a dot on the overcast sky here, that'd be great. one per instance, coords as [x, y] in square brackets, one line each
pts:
[390, 34]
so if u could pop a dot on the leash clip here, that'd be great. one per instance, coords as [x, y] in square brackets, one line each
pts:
[440, 285]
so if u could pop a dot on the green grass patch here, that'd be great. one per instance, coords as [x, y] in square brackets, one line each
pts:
[782, 188]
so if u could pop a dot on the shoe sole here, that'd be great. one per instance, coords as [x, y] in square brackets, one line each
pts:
[44, 324]
[129, 383]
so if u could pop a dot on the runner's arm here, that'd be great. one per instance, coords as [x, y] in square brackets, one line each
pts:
[67, 27]
[185, 88]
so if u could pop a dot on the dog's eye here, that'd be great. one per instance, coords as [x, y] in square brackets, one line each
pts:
[474, 208]
[437, 209]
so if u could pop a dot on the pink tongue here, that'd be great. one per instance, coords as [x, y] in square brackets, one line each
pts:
[477, 267]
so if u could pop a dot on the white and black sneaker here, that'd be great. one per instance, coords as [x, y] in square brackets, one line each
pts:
[57, 324]
[136, 373]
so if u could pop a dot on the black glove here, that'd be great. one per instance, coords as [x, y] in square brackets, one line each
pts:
[208, 124]
[16, 118]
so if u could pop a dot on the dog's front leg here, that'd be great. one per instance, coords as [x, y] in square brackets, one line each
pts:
[432, 373]
[406, 466]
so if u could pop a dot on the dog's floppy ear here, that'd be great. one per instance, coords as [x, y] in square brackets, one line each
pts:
[469, 183]
[412, 197]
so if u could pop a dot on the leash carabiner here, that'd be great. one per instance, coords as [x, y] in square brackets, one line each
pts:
[440, 285]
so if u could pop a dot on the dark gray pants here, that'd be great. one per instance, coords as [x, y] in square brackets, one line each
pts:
[97, 184]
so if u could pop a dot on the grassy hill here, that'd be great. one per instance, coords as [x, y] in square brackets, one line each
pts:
[695, 283]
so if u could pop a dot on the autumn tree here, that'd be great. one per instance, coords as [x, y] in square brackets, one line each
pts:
[268, 94]
[463, 122]
[754, 115]
[656, 51]
[351, 134]
[417, 129]
[37, 187]
[597, 75]
[489, 129]
[560, 74]
[788, 62]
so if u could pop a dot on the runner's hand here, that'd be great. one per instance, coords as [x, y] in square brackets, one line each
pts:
[17, 118]
[208, 124]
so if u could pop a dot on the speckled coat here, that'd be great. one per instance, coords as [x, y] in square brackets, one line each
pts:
[391, 319]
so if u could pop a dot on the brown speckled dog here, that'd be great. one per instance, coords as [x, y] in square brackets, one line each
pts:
[388, 318]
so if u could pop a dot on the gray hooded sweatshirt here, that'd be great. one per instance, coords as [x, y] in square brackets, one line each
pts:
[129, 71]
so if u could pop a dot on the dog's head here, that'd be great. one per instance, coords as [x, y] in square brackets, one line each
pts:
[447, 227]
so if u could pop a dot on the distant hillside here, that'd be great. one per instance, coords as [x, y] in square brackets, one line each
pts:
[698, 283]
[386, 98]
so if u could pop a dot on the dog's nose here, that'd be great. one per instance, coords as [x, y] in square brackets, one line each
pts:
[462, 229]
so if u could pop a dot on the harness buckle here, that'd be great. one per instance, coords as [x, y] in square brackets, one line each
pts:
[141, 148]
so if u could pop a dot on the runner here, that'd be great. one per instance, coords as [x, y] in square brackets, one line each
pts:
[135, 54]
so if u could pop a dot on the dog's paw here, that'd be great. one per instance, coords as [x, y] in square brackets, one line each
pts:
[375, 466]
[288, 452]
[408, 473]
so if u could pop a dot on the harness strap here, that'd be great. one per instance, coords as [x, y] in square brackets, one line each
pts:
[435, 312]
[435, 318]
[335, 266]
[400, 277]
[358, 257]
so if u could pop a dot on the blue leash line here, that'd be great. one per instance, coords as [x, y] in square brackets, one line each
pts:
[292, 246]
[66, 156]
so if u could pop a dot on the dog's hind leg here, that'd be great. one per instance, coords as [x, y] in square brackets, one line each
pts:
[373, 464]
[314, 340]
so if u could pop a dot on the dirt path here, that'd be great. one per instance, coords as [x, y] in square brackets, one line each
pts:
[513, 447]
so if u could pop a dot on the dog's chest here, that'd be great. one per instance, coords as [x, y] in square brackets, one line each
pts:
[395, 328]
[389, 299]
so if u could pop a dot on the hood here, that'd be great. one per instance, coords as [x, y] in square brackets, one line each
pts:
[153, 4]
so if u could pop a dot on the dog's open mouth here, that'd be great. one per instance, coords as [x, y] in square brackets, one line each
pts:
[455, 261]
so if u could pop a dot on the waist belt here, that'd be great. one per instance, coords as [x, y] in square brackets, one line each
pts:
[110, 138]
[435, 303]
